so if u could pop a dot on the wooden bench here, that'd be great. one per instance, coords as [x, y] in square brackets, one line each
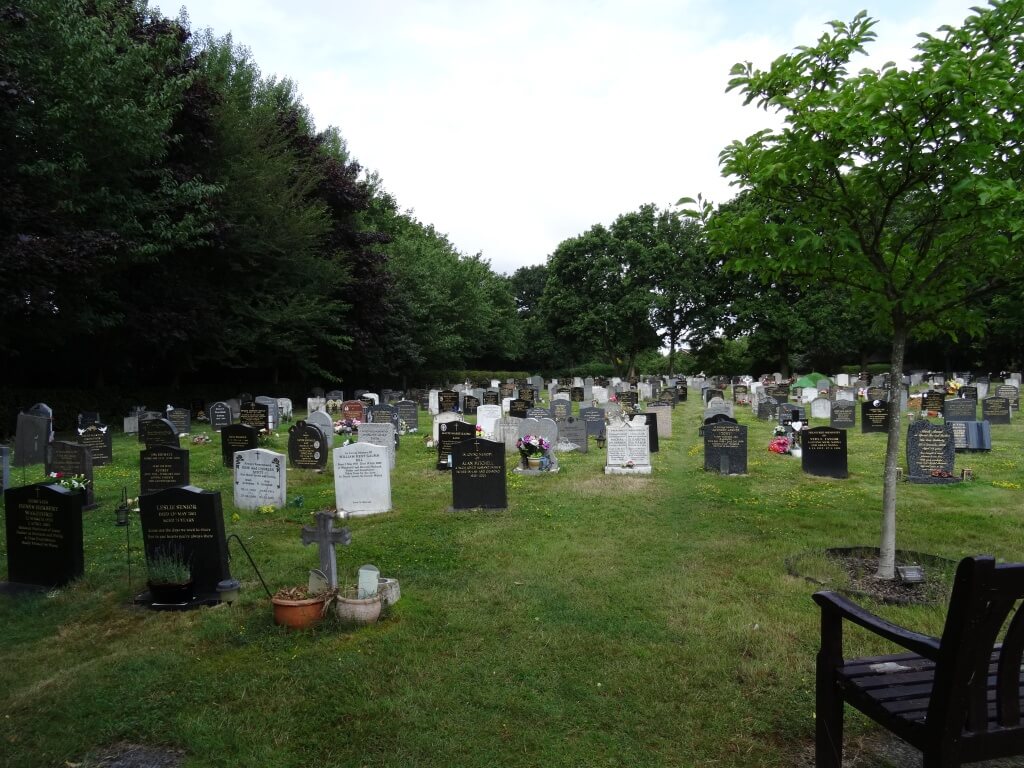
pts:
[956, 698]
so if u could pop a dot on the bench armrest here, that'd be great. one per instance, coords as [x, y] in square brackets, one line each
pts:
[924, 645]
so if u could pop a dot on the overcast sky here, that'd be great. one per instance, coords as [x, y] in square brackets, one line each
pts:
[513, 125]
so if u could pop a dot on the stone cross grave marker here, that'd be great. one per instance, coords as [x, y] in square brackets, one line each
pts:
[326, 538]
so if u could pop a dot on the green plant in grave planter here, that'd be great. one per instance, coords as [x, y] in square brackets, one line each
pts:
[168, 567]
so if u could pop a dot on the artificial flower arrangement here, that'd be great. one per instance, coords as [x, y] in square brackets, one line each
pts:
[779, 443]
[346, 426]
[71, 482]
[532, 445]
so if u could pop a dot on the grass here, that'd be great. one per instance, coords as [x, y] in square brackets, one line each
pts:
[613, 621]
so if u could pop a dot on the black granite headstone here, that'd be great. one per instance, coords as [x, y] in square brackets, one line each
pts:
[844, 414]
[307, 448]
[44, 535]
[163, 466]
[478, 475]
[100, 442]
[968, 392]
[576, 394]
[492, 397]
[449, 434]
[931, 452]
[469, 405]
[933, 401]
[725, 448]
[594, 419]
[181, 418]
[996, 410]
[519, 407]
[409, 412]
[237, 437]
[628, 398]
[63, 459]
[681, 391]
[652, 429]
[256, 415]
[874, 416]
[767, 409]
[31, 438]
[824, 452]
[188, 522]
[159, 432]
[447, 400]
[220, 416]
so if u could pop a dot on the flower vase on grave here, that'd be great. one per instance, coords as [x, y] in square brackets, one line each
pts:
[534, 462]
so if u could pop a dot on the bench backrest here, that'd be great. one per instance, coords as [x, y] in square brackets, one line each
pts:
[986, 598]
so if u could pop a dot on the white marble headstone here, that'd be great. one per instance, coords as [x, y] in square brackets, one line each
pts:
[261, 479]
[821, 408]
[362, 480]
[486, 415]
[628, 449]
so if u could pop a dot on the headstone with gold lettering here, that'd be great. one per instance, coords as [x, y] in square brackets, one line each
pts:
[44, 535]
[188, 522]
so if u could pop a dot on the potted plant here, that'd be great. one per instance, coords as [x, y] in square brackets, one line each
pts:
[531, 448]
[298, 608]
[353, 609]
[169, 577]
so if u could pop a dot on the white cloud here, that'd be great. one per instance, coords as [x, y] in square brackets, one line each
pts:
[511, 126]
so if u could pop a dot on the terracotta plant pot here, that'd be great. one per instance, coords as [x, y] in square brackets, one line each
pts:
[351, 610]
[298, 614]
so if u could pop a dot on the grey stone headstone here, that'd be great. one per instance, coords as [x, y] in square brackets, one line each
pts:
[996, 410]
[843, 414]
[324, 535]
[273, 413]
[572, 436]
[322, 421]
[594, 420]
[382, 435]
[506, 430]
[960, 409]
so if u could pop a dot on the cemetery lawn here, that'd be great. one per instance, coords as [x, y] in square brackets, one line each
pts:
[619, 621]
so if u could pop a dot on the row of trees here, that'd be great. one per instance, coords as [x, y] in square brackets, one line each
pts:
[169, 213]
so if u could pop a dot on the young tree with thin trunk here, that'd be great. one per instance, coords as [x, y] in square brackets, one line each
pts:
[903, 185]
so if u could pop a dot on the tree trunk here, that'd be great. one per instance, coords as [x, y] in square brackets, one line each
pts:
[887, 545]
